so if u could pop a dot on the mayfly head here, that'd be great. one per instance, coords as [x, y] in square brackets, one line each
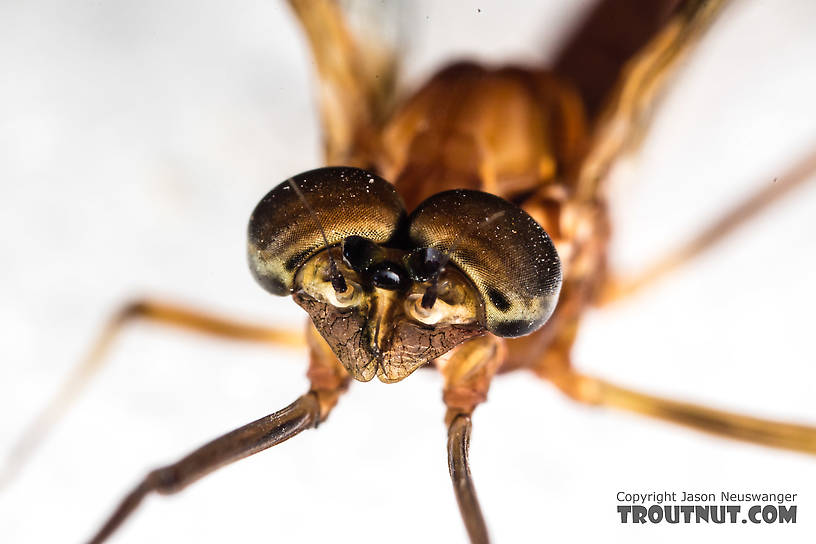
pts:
[391, 292]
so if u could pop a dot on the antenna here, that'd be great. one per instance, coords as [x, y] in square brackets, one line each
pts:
[429, 298]
[337, 279]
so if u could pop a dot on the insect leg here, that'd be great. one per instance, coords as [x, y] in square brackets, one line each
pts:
[242, 442]
[591, 390]
[616, 288]
[555, 365]
[159, 312]
[328, 381]
[468, 371]
[623, 120]
[459, 467]
[609, 35]
[356, 81]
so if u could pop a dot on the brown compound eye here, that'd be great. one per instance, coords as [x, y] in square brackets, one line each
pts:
[347, 202]
[500, 248]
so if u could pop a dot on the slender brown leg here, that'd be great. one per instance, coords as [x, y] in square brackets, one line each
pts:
[468, 371]
[618, 288]
[259, 435]
[356, 81]
[610, 34]
[160, 312]
[458, 446]
[625, 116]
[328, 381]
[591, 390]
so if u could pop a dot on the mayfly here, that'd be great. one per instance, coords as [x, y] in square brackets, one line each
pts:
[519, 190]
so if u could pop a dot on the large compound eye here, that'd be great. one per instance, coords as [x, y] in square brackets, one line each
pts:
[504, 252]
[283, 233]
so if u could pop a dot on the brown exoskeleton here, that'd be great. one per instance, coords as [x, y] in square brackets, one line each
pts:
[576, 222]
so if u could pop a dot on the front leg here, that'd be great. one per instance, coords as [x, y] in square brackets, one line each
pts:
[468, 371]
[242, 442]
[328, 381]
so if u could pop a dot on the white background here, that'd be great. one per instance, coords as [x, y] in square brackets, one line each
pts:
[136, 137]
